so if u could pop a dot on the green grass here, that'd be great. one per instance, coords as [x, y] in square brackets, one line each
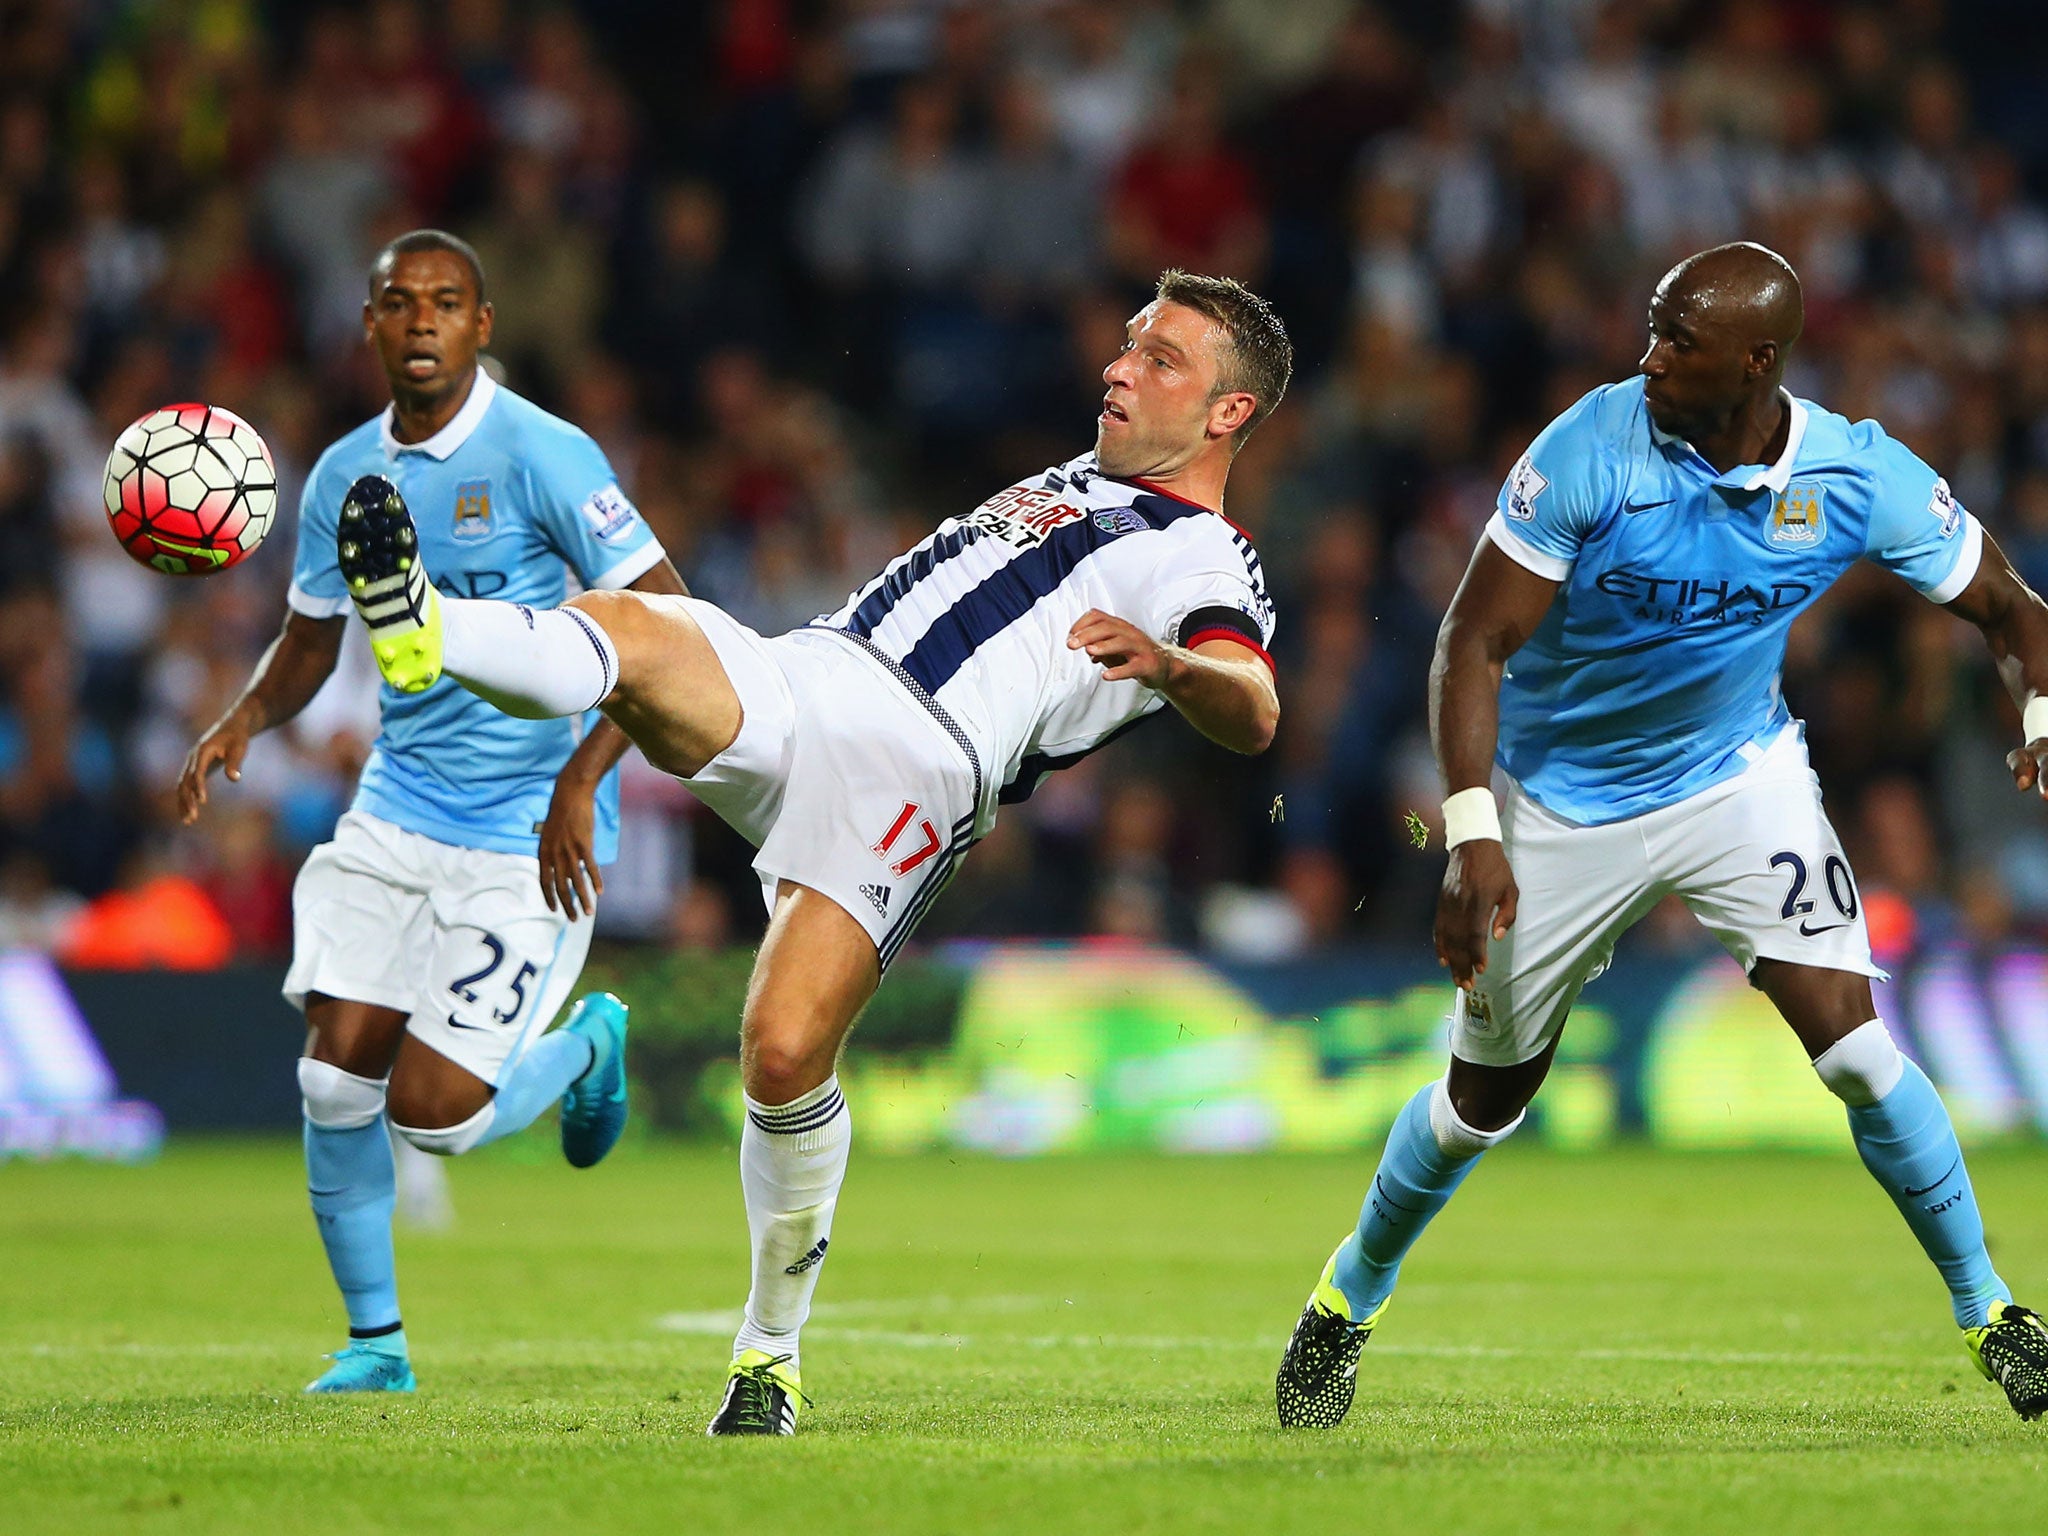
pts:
[1621, 1343]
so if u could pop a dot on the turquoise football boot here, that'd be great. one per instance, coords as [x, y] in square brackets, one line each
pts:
[594, 1108]
[359, 1368]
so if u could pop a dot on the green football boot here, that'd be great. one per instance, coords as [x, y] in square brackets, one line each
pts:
[379, 551]
[762, 1395]
[2012, 1350]
[1319, 1372]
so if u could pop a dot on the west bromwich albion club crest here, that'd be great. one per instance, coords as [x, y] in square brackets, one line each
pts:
[472, 512]
[1799, 517]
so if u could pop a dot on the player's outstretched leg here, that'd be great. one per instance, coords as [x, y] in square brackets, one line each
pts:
[353, 1189]
[644, 658]
[1429, 1152]
[1903, 1133]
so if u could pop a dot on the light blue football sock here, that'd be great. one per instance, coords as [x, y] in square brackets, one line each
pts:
[539, 1078]
[1909, 1145]
[1414, 1180]
[353, 1189]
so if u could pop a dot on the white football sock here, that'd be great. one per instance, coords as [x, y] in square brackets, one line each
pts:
[792, 1161]
[536, 663]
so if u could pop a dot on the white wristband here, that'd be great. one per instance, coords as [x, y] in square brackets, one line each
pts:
[2034, 721]
[1469, 816]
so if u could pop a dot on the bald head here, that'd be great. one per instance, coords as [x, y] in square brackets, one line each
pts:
[1721, 326]
[1744, 287]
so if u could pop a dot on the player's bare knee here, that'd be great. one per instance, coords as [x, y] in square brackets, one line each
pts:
[1490, 1101]
[426, 1101]
[778, 1065]
[445, 1113]
[627, 619]
[1468, 1123]
[1459, 1136]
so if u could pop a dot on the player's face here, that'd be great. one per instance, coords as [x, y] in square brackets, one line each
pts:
[426, 324]
[1160, 404]
[1696, 370]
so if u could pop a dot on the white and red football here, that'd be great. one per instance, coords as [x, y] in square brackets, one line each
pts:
[190, 490]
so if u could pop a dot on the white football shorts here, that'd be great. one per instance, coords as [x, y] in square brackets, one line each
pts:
[458, 939]
[842, 779]
[1754, 857]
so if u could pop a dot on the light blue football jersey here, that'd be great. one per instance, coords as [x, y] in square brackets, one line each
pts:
[1656, 672]
[508, 501]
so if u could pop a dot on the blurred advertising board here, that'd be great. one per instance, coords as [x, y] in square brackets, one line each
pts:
[57, 1093]
[1068, 1048]
[1016, 1049]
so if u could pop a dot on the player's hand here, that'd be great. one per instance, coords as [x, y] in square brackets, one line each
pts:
[2029, 765]
[1477, 903]
[1120, 648]
[223, 747]
[569, 872]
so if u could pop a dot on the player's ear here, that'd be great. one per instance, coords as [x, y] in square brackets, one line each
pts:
[1230, 412]
[1763, 359]
[484, 316]
[369, 323]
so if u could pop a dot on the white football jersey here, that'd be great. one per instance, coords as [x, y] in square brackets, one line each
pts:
[974, 619]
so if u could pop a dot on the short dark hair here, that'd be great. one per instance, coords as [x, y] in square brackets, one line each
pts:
[1259, 359]
[414, 240]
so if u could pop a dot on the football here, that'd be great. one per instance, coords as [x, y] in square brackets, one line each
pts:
[190, 489]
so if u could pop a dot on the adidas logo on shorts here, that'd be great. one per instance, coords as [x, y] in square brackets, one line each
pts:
[879, 895]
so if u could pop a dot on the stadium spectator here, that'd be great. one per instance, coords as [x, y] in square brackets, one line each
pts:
[849, 258]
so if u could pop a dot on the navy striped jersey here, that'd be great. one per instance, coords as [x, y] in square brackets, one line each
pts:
[974, 620]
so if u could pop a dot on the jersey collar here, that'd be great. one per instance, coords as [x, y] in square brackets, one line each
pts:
[451, 437]
[1754, 477]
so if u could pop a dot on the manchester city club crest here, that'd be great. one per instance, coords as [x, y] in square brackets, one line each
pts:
[1799, 516]
[472, 511]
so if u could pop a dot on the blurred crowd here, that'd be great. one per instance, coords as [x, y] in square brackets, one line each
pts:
[816, 273]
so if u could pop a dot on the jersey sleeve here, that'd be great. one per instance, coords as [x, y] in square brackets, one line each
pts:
[589, 521]
[317, 588]
[1555, 494]
[1917, 527]
[1213, 589]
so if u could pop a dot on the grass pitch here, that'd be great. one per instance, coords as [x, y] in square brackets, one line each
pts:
[1628, 1342]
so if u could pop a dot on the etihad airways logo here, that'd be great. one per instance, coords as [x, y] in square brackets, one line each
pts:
[1702, 599]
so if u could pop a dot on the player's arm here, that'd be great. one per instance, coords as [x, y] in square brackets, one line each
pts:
[569, 872]
[1224, 688]
[1498, 606]
[290, 672]
[2014, 622]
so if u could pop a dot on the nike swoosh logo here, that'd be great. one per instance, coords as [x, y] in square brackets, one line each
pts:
[1816, 932]
[1647, 506]
[1381, 1190]
[1915, 1194]
[455, 1023]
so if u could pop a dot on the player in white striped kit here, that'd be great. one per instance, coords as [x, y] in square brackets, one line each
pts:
[865, 753]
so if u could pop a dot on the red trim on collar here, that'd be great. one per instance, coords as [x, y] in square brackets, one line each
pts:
[1159, 490]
